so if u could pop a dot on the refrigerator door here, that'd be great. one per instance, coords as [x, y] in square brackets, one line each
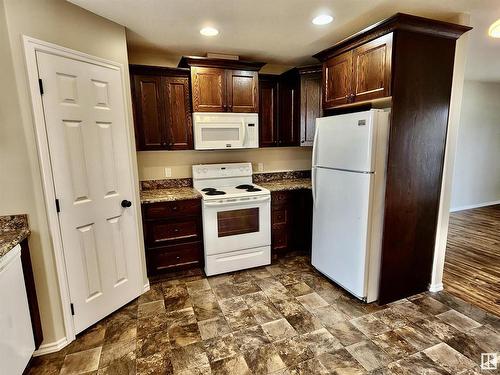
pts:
[346, 141]
[340, 227]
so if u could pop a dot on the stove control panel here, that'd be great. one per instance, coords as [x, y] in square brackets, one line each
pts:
[204, 171]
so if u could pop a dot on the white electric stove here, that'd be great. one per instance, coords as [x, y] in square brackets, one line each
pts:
[236, 217]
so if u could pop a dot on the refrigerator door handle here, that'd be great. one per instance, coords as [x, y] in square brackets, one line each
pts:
[313, 184]
[315, 146]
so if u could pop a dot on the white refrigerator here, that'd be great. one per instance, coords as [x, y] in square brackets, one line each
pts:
[348, 182]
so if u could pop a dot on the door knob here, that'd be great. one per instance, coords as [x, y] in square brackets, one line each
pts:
[126, 203]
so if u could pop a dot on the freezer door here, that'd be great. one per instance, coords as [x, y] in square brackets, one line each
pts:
[340, 227]
[345, 141]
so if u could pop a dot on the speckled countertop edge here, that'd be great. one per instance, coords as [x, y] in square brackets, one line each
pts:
[287, 184]
[169, 195]
[13, 230]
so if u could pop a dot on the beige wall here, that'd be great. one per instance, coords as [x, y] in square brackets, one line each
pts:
[152, 164]
[62, 23]
[476, 177]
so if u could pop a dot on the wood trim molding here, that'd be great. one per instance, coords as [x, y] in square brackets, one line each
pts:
[31, 46]
[158, 70]
[400, 21]
[189, 61]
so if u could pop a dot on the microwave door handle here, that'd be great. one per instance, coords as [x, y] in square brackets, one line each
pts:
[244, 140]
[235, 202]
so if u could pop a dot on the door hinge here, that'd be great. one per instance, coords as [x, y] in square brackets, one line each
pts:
[58, 207]
[40, 84]
[72, 309]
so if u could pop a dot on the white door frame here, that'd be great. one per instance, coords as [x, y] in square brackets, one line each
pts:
[31, 46]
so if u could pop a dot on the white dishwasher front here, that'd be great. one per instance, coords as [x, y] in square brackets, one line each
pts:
[16, 338]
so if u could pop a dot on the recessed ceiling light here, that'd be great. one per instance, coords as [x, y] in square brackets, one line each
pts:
[322, 19]
[209, 31]
[494, 30]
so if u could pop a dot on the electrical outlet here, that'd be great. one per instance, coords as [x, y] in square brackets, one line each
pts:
[260, 167]
[168, 172]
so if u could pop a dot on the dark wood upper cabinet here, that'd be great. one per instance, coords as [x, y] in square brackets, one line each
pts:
[411, 60]
[268, 110]
[149, 117]
[372, 69]
[178, 114]
[208, 88]
[162, 112]
[337, 80]
[289, 106]
[220, 85]
[310, 103]
[361, 74]
[242, 95]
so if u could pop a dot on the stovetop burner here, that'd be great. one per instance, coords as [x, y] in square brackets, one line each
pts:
[244, 187]
[214, 192]
[253, 189]
[209, 189]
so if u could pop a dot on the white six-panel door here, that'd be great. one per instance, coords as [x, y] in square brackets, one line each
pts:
[89, 153]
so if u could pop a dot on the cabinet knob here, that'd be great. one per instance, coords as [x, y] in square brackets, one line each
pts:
[176, 230]
[174, 208]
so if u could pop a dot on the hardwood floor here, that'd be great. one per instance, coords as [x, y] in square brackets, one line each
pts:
[472, 262]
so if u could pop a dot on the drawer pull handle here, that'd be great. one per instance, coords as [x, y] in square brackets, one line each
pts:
[177, 257]
[174, 208]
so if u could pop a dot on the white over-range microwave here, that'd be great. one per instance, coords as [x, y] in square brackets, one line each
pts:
[222, 131]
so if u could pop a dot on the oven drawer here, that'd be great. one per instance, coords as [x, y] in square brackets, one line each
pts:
[165, 210]
[178, 256]
[162, 232]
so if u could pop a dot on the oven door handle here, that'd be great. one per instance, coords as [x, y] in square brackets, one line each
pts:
[237, 201]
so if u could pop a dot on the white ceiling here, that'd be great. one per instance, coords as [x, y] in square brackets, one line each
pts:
[280, 31]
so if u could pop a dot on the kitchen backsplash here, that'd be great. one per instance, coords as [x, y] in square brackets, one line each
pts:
[152, 164]
[257, 178]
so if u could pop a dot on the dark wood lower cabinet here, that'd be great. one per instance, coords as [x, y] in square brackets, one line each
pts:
[291, 221]
[29, 282]
[173, 234]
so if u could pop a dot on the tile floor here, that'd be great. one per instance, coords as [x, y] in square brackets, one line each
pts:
[281, 319]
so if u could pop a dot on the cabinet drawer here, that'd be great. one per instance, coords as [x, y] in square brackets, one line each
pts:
[280, 197]
[165, 210]
[279, 216]
[175, 256]
[181, 230]
[280, 236]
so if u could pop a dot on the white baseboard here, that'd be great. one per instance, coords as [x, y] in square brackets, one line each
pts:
[469, 207]
[51, 347]
[145, 288]
[435, 287]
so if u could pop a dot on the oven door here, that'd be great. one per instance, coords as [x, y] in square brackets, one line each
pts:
[212, 132]
[236, 224]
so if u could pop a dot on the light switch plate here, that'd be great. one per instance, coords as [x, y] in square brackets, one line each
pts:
[168, 172]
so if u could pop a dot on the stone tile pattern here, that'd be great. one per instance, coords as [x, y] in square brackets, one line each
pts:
[13, 230]
[259, 178]
[281, 319]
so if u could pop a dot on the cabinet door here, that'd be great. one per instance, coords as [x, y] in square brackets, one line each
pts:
[149, 113]
[179, 128]
[242, 94]
[288, 128]
[337, 80]
[208, 89]
[268, 112]
[310, 106]
[372, 69]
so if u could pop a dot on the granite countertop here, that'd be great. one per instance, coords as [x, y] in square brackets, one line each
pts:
[169, 194]
[287, 184]
[13, 230]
